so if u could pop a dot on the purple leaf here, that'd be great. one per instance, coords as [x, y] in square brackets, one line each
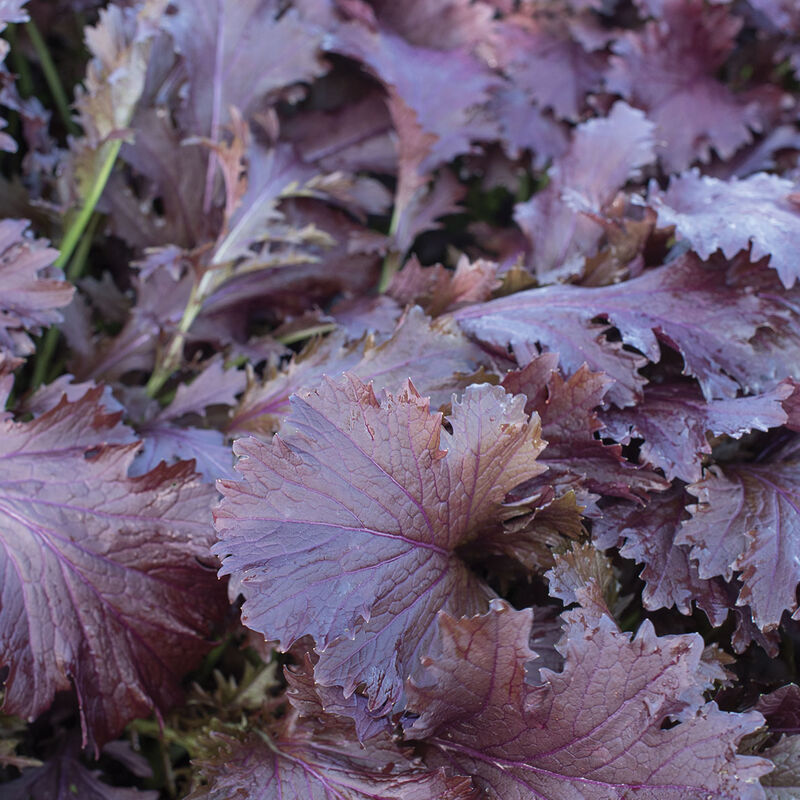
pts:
[214, 386]
[673, 420]
[164, 442]
[271, 173]
[783, 14]
[165, 439]
[668, 69]
[29, 293]
[685, 304]
[649, 534]
[103, 587]
[569, 424]
[748, 520]
[310, 699]
[783, 783]
[223, 40]
[781, 709]
[363, 502]
[604, 154]
[301, 762]
[48, 396]
[420, 210]
[791, 405]
[176, 175]
[438, 24]
[713, 214]
[13, 11]
[584, 575]
[524, 126]
[544, 60]
[437, 99]
[422, 78]
[358, 316]
[353, 138]
[63, 777]
[437, 289]
[591, 732]
[434, 355]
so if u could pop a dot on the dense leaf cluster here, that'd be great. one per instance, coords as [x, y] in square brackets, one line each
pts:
[410, 408]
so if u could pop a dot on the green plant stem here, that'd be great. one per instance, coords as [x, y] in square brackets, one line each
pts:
[170, 362]
[392, 261]
[307, 333]
[74, 272]
[47, 347]
[78, 225]
[51, 76]
[77, 266]
[72, 238]
[21, 65]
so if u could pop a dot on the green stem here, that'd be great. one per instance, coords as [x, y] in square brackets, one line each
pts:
[21, 65]
[392, 261]
[51, 76]
[47, 347]
[74, 272]
[79, 224]
[74, 237]
[77, 266]
[306, 333]
[174, 352]
[212, 659]
[201, 291]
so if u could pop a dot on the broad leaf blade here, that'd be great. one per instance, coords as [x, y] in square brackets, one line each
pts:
[345, 527]
[99, 568]
[591, 732]
[685, 304]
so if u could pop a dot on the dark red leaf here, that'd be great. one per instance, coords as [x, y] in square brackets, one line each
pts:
[104, 587]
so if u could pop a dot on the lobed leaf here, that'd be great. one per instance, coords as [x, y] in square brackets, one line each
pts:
[103, 587]
[747, 521]
[346, 527]
[685, 304]
[713, 214]
[594, 730]
[30, 293]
